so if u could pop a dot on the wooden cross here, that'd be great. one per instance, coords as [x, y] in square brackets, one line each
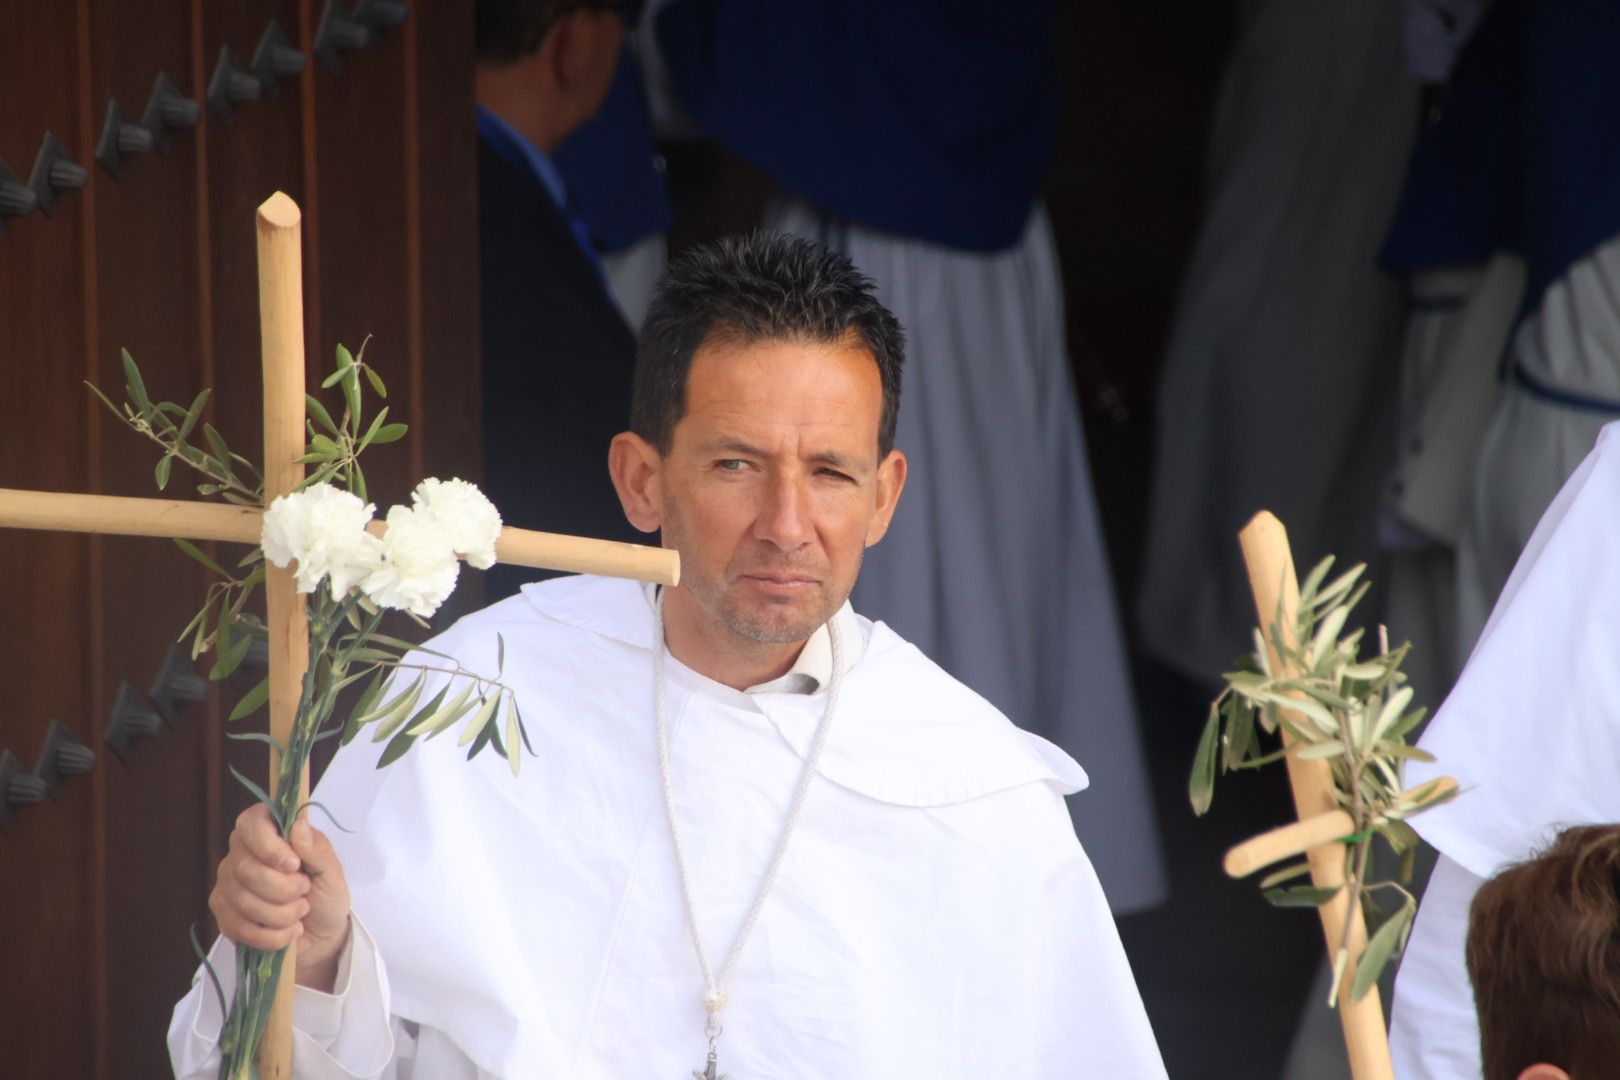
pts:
[1322, 825]
[281, 326]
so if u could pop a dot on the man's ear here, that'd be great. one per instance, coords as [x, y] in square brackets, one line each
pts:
[578, 43]
[891, 478]
[555, 53]
[1544, 1072]
[638, 476]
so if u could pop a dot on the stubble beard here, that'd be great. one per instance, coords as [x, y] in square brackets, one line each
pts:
[758, 625]
[780, 623]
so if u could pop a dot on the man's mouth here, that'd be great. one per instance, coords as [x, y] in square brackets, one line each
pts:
[779, 583]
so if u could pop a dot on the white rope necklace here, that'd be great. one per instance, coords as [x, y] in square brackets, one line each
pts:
[714, 997]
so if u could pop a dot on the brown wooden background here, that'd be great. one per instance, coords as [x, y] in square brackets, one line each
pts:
[99, 887]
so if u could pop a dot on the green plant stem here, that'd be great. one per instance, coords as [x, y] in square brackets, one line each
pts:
[1353, 764]
[259, 970]
[227, 481]
[1354, 892]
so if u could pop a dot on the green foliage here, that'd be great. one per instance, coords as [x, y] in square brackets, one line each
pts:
[1335, 706]
[225, 474]
[345, 643]
[334, 449]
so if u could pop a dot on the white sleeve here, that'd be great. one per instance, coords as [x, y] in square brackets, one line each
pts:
[1434, 1032]
[346, 1035]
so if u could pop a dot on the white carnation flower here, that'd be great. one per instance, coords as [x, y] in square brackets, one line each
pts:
[419, 566]
[323, 528]
[467, 516]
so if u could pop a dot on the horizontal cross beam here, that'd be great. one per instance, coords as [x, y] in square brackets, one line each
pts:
[1300, 837]
[192, 520]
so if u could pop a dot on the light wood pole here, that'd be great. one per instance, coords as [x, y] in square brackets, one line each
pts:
[281, 339]
[1276, 599]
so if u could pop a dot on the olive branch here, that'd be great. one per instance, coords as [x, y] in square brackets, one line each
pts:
[1356, 715]
[346, 645]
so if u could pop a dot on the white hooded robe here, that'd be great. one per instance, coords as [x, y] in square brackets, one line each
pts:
[935, 916]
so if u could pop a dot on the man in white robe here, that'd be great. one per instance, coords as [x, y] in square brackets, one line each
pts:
[934, 915]
[1532, 730]
[952, 115]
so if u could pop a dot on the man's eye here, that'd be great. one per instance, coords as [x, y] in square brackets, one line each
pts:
[731, 464]
[836, 475]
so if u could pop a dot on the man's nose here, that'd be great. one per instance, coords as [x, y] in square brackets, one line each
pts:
[784, 519]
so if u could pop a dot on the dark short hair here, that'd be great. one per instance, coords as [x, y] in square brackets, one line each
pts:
[761, 287]
[505, 31]
[1544, 957]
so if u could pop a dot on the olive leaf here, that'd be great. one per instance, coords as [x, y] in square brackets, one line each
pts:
[1384, 943]
[1301, 896]
[1309, 683]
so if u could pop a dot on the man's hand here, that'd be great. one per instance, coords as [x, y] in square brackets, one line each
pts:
[269, 894]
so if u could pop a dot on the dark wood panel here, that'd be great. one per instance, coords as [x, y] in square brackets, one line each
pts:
[259, 153]
[107, 880]
[365, 271]
[47, 860]
[446, 218]
[147, 302]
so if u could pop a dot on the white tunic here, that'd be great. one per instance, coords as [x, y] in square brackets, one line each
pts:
[1532, 730]
[935, 916]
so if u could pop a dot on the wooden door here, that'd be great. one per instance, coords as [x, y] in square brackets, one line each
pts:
[99, 885]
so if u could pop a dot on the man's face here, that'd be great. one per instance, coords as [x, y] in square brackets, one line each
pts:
[773, 488]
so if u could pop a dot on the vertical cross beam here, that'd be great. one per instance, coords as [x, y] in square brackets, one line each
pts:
[281, 337]
[1276, 597]
[281, 319]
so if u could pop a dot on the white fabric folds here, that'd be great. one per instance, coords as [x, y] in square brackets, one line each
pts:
[1532, 731]
[935, 916]
[1276, 389]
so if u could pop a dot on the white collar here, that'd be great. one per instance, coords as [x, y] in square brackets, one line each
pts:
[811, 669]
[914, 736]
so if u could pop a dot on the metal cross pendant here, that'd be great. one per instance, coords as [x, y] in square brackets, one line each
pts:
[709, 1071]
[713, 1002]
